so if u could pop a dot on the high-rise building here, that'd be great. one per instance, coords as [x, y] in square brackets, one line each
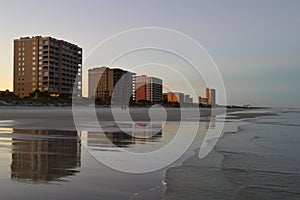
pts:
[148, 88]
[47, 64]
[211, 96]
[107, 84]
[207, 95]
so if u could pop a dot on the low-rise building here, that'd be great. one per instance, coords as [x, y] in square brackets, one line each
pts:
[175, 97]
[188, 99]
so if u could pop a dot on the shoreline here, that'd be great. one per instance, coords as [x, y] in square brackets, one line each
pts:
[216, 158]
[62, 119]
[86, 114]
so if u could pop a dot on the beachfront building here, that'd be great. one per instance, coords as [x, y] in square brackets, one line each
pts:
[165, 97]
[203, 101]
[47, 64]
[211, 96]
[148, 88]
[209, 99]
[188, 99]
[107, 84]
[175, 97]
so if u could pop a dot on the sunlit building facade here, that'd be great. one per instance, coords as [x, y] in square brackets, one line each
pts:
[148, 88]
[47, 64]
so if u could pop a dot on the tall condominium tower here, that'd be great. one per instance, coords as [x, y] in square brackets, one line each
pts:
[110, 84]
[211, 96]
[148, 88]
[47, 64]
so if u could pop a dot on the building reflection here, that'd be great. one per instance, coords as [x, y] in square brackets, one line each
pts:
[139, 134]
[44, 155]
[211, 122]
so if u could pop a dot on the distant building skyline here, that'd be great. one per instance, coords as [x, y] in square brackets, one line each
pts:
[255, 44]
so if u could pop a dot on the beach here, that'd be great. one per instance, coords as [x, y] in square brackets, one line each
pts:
[43, 152]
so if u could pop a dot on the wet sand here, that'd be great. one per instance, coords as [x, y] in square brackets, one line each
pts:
[93, 179]
[104, 114]
[254, 160]
[248, 115]
[61, 118]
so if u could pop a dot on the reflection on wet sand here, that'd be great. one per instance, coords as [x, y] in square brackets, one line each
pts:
[49, 155]
[211, 122]
[44, 155]
[139, 134]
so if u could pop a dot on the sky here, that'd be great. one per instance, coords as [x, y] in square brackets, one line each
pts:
[255, 44]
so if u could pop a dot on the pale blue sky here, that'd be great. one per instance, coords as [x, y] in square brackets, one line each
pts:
[255, 44]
